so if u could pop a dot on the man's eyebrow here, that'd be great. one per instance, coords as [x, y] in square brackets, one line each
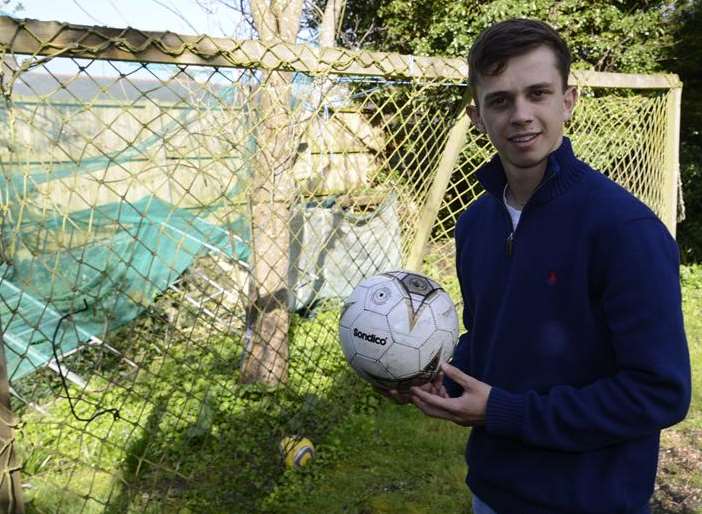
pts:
[496, 94]
[541, 85]
[530, 87]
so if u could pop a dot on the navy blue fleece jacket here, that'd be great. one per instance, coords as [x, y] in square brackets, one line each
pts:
[575, 321]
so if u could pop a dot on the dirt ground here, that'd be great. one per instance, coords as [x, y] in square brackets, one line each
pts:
[679, 485]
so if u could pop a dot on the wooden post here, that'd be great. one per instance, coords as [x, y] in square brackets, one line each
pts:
[11, 500]
[454, 144]
[671, 159]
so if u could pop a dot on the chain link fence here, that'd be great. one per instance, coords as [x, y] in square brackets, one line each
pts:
[181, 217]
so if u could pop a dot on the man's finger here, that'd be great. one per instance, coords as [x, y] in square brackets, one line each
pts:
[432, 410]
[455, 374]
[434, 400]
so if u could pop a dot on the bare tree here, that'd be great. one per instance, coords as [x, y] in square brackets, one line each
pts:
[331, 18]
[266, 355]
[280, 129]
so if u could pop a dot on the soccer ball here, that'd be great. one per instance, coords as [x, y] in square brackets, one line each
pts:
[396, 328]
[296, 451]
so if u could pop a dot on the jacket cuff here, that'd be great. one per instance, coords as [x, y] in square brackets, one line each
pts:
[505, 413]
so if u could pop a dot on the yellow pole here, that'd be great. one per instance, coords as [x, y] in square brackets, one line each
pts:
[672, 159]
[454, 144]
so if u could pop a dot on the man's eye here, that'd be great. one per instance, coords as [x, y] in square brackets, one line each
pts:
[497, 102]
[538, 93]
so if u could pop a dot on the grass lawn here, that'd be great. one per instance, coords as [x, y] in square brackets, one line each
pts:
[396, 461]
[400, 462]
[679, 486]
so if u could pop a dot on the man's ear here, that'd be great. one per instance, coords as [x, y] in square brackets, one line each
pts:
[474, 113]
[570, 98]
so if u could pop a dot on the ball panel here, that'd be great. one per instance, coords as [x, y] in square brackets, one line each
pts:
[352, 305]
[440, 342]
[349, 312]
[383, 297]
[403, 276]
[348, 343]
[400, 318]
[431, 368]
[444, 312]
[409, 328]
[401, 361]
[417, 284]
[449, 345]
[370, 334]
[395, 275]
[371, 370]
[412, 341]
[417, 301]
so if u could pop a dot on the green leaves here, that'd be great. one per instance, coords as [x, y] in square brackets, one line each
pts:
[607, 36]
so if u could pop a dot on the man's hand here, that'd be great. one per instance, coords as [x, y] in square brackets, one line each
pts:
[467, 410]
[435, 387]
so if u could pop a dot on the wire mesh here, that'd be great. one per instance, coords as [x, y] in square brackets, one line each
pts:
[621, 133]
[180, 219]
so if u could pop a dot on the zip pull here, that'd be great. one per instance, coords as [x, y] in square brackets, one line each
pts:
[508, 245]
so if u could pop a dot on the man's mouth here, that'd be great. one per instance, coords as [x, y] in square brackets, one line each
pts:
[523, 138]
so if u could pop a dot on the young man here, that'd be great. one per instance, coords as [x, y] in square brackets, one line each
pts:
[575, 354]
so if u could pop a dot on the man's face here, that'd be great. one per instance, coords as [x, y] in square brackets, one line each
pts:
[523, 109]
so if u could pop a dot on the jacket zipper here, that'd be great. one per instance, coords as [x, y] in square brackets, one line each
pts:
[509, 243]
[510, 239]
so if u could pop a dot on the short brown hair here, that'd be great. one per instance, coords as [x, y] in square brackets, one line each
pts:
[512, 38]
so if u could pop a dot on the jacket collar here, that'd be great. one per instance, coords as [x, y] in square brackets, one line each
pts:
[562, 170]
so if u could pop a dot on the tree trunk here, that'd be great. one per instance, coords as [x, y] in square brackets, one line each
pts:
[11, 500]
[272, 193]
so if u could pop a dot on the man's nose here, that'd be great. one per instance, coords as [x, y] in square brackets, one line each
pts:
[522, 112]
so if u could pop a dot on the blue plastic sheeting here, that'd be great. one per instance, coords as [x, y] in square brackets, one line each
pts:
[151, 244]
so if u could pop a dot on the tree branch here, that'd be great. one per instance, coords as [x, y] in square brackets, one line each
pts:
[330, 22]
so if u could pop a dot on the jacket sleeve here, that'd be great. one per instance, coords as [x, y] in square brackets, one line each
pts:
[641, 303]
